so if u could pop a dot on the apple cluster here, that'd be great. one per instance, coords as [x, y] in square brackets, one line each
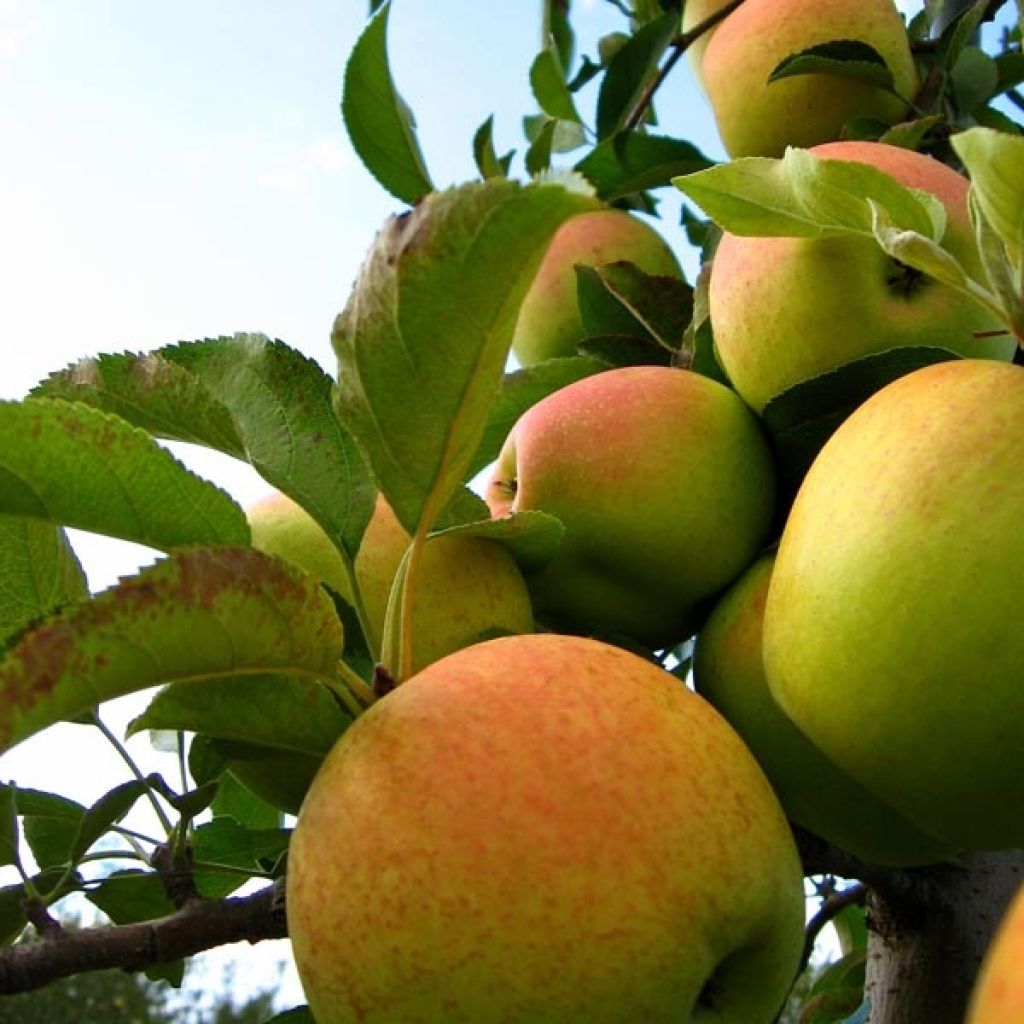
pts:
[551, 826]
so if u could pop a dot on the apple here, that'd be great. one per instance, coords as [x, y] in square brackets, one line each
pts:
[728, 671]
[891, 632]
[787, 309]
[665, 486]
[998, 996]
[549, 323]
[468, 588]
[757, 118]
[543, 829]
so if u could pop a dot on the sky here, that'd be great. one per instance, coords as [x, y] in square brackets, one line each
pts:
[178, 171]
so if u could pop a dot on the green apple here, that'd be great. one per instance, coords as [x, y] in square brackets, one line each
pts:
[665, 485]
[728, 671]
[543, 829]
[468, 588]
[998, 996]
[786, 309]
[892, 635]
[758, 118]
[549, 323]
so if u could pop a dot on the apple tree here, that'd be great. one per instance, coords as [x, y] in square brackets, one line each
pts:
[600, 618]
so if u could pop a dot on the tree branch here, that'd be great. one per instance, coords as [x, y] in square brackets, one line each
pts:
[198, 926]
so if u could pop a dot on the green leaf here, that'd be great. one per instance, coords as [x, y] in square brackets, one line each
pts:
[629, 162]
[538, 156]
[975, 79]
[959, 33]
[107, 811]
[910, 134]
[50, 823]
[67, 463]
[9, 834]
[207, 762]
[487, 160]
[198, 613]
[699, 340]
[917, 251]
[39, 573]
[12, 899]
[378, 121]
[558, 28]
[802, 418]
[533, 538]
[1010, 70]
[842, 58]
[995, 163]
[127, 897]
[617, 350]
[848, 972]
[224, 843]
[283, 712]
[1006, 282]
[630, 71]
[425, 336]
[521, 389]
[235, 801]
[802, 195]
[547, 79]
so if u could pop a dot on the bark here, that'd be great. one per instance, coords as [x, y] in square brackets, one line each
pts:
[927, 941]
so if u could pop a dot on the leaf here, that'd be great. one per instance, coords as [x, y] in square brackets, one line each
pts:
[958, 33]
[38, 573]
[50, 823]
[296, 1015]
[551, 134]
[629, 162]
[910, 134]
[378, 122]
[9, 834]
[538, 156]
[522, 389]
[235, 801]
[617, 350]
[975, 79]
[533, 538]
[105, 812]
[558, 28]
[225, 844]
[487, 160]
[995, 163]
[12, 899]
[67, 463]
[284, 712]
[917, 251]
[1004, 281]
[127, 897]
[630, 71]
[425, 336]
[200, 612]
[802, 418]
[547, 79]
[842, 58]
[1010, 70]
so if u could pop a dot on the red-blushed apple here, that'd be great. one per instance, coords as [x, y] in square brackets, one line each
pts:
[543, 829]
[998, 996]
[787, 309]
[758, 118]
[549, 323]
[468, 588]
[891, 633]
[728, 671]
[665, 486]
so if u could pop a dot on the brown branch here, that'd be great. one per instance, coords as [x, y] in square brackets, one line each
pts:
[133, 947]
[680, 44]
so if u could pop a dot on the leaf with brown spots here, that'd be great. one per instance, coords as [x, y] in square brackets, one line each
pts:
[200, 613]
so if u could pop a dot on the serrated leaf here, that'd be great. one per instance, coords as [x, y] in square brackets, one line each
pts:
[630, 70]
[521, 389]
[995, 163]
[424, 338]
[547, 80]
[802, 195]
[378, 121]
[278, 711]
[200, 612]
[151, 392]
[235, 801]
[533, 538]
[801, 419]
[487, 160]
[630, 162]
[104, 813]
[39, 573]
[68, 463]
[842, 58]
[910, 134]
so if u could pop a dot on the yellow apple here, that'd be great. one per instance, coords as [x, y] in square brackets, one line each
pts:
[998, 996]
[537, 830]
[892, 633]
[468, 588]
[665, 486]
[728, 671]
[549, 323]
[786, 309]
[756, 118]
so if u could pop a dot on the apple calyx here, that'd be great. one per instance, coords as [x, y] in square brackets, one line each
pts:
[905, 280]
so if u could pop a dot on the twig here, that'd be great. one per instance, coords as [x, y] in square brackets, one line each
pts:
[831, 907]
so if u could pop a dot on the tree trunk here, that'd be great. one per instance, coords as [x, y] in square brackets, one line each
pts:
[927, 940]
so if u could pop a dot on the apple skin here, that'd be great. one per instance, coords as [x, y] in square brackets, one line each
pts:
[787, 309]
[998, 996]
[543, 829]
[728, 671]
[468, 588]
[756, 118]
[891, 633]
[549, 323]
[665, 486]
